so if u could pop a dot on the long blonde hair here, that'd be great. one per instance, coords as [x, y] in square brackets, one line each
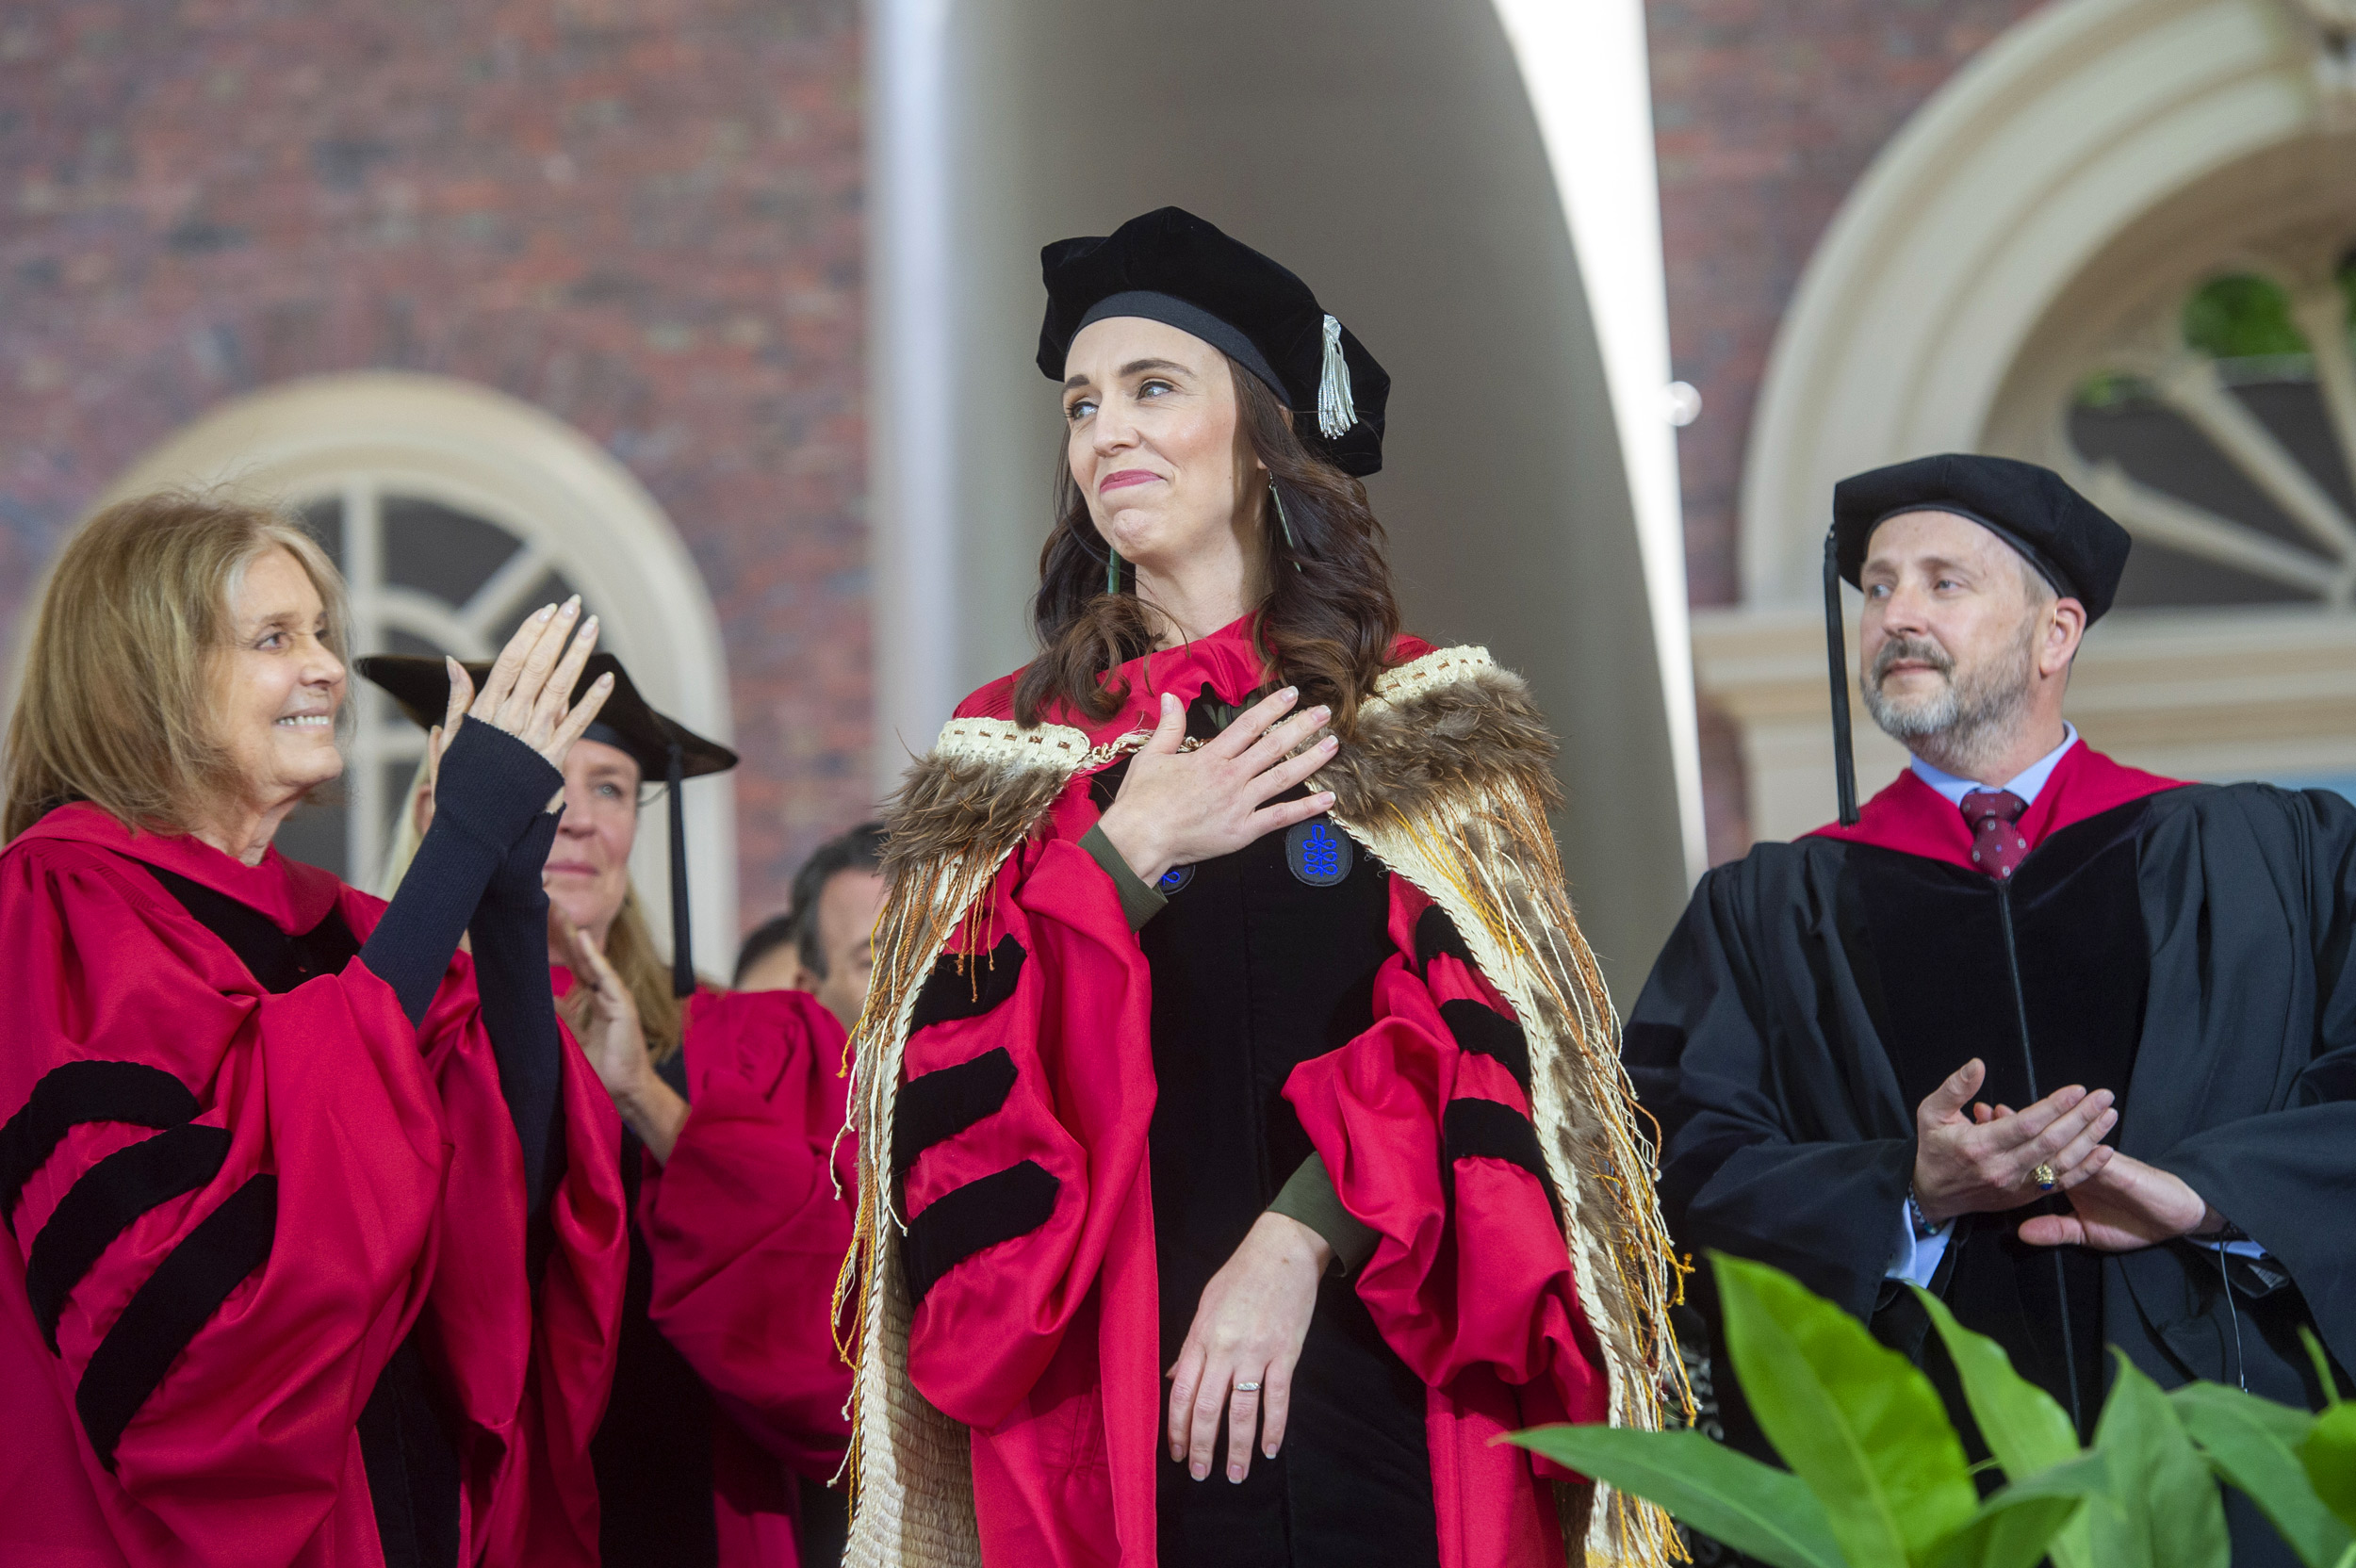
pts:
[116, 702]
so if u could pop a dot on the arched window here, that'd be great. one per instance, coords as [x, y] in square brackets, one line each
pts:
[2220, 427]
[454, 511]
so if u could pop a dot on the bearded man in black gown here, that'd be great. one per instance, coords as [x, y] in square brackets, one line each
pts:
[2068, 1044]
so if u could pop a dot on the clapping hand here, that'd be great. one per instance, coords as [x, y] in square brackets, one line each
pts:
[1974, 1164]
[604, 1018]
[529, 691]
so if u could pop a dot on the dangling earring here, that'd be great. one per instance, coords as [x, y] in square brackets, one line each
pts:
[1112, 569]
[1285, 523]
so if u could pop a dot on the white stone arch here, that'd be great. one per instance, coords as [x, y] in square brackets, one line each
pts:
[366, 435]
[1917, 323]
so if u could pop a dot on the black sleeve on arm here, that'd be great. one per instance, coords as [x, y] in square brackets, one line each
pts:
[510, 932]
[491, 787]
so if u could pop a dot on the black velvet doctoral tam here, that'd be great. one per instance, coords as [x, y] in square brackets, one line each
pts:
[2069, 540]
[1172, 267]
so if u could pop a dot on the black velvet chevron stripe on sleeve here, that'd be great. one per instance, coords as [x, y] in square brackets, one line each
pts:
[76, 1092]
[103, 1203]
[186, 1288]
[1014, 1202]
[1485, 1031]
[964, 985]
[1484, 1129]
[1435, 935]
[939, 1105]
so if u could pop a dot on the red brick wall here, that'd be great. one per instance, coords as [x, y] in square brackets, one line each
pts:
[644, 215]
[1765, 113]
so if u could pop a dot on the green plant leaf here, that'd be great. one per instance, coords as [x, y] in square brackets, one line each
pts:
[2307, 1337]
[2254, 1444]
[2021, 1523]
[1754, 1507]
[2329, 1455]
[2012, 1536]
[2024, 1428]
[2162, 1496]
[1856, 1421]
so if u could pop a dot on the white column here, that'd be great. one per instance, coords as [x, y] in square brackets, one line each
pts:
[1586, 68]
[912, 499]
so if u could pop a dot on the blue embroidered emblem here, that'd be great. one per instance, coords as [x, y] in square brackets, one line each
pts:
[1318, 853]
[1174, 880]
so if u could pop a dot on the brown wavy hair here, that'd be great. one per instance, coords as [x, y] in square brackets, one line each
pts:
[117, 705]
[1326, 624]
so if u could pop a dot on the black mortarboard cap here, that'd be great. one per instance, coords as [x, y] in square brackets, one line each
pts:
[2073, 544]
[1173, 268]
[662, 747]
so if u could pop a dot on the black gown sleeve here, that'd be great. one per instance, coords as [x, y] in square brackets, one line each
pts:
[510, 937]
[2276, 1037]
[491, 787]
[1782, 1140]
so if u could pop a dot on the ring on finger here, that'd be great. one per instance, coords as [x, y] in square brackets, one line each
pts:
[1247, 1388]
[2044, 1178]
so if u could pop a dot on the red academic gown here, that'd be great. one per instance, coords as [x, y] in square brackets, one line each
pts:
[272, 1190]
[1039, 1321]
[745, 1227]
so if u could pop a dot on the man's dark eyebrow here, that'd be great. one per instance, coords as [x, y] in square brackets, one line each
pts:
[1935, 562]
[1135, 368]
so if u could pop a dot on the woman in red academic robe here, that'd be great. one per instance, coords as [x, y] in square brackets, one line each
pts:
[727, 1418]
[315, 1240]
[1212, 1106]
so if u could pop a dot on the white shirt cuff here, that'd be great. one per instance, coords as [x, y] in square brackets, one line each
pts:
[1912, 1260]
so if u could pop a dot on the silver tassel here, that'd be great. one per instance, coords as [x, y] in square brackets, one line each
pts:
[1337, 410]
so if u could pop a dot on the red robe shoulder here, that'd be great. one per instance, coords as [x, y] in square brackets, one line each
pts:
[228, 1207]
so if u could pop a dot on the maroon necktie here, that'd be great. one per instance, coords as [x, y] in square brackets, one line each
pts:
[1997, 846]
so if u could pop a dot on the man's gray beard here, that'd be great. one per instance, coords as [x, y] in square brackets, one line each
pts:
[1970, 718]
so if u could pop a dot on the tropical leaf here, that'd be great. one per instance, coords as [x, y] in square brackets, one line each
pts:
[1856, 1421]
[1754, 1507]
[2024, 1428]
[2019, 1524]
[2254, 1444]
[2163, 1498]
[2329, 1455]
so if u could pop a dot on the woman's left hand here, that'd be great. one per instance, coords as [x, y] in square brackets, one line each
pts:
[1247, 1332]
[601, 1015]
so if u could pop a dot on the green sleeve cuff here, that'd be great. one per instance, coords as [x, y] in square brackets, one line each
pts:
[1137, 901]
[1309, 1197]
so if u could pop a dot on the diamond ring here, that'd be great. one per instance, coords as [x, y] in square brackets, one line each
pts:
[1247, 1388]
[2044, 1177]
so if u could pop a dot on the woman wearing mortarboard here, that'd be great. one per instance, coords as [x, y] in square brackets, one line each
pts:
[319, 1235]
[728, 1391]
[1243, 1140]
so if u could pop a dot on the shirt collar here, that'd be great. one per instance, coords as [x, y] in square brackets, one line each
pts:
[2027, 783]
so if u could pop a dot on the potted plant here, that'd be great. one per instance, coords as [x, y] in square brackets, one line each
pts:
[1878, 1477]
